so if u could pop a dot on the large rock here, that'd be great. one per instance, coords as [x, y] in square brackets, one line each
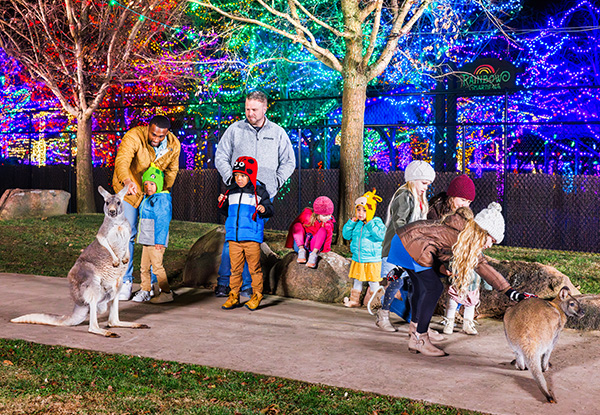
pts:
[542, 280]
[204, 258]
[33, 203]
[328, 283]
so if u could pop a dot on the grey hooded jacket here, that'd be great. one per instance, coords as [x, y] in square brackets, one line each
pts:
[271, 147]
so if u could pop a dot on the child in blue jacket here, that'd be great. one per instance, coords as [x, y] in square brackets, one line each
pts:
[366, 233]
[153, 233]
[246, 204]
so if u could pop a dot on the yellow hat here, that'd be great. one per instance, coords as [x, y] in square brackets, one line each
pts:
[369, 202]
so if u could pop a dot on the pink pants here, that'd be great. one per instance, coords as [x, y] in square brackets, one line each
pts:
[306, 239]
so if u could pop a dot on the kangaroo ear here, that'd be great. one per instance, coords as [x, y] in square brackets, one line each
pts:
[103, 192]
[564, 293]
[122, 193]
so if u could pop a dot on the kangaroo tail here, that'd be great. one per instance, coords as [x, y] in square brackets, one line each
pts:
[76, 317]
[535, 367]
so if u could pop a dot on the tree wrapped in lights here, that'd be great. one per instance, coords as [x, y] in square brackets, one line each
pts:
[79, 48]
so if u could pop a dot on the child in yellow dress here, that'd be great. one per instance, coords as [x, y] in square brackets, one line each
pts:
[366, 233]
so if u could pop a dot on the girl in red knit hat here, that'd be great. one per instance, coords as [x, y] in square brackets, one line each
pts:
[460, 192]
[312, 229]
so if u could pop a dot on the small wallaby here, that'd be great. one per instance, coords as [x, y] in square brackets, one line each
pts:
[532, 328]
[97, 274]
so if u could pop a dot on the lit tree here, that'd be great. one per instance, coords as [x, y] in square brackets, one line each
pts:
[79, 49]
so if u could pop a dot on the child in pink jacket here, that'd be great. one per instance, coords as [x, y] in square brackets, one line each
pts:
[312, 229]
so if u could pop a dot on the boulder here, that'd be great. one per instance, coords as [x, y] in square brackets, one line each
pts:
[542, 280]
[328, 283]
[33, 203]
[201, 267]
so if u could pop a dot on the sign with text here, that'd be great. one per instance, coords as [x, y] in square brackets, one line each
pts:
[487, 75]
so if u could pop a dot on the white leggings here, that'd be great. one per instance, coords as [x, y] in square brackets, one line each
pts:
[358, 285]
[468, 313]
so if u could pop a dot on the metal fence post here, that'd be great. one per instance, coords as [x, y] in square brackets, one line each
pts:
[464, 149]
[299, 170]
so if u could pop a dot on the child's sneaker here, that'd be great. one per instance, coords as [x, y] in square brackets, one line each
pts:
[301, 256]
[125, 291]
[163, 297]
[254, 302]
[141, 296]
[232, 302]
[312, 260]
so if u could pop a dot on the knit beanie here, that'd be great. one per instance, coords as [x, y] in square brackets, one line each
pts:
[419, 170]
[249, 167]
[369, 202]
[154, 175]
[323, 206]
[462, 186]
[491, 220]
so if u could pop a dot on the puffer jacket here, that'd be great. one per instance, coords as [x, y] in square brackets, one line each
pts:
[155, 217]
[401, 211]
[304, 219]
[428, 241]
[240, 206]
[134, 157]
[365, 239]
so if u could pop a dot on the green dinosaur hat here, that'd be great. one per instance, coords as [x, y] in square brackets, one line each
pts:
[155, 175]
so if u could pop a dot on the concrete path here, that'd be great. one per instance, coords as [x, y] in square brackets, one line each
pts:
[320, 343]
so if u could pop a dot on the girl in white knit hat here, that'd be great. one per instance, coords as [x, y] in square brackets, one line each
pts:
[464, 287]
[408, 204]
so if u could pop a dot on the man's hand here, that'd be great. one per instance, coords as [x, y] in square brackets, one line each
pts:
[131, 186]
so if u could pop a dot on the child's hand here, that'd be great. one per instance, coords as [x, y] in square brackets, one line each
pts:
[222, 197]
[354, 219]
[260, 208]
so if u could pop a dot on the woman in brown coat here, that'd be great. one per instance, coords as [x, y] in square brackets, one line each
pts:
[424, 249]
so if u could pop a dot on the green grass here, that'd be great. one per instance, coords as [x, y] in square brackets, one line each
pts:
[39, 379]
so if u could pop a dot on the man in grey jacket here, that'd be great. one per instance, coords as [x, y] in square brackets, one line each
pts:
[270, 145]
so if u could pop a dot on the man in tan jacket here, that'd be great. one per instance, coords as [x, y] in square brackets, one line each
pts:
[141, 146]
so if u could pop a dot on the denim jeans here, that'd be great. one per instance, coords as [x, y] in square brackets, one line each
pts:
[389, 302]
[225, 270]
[132, 214]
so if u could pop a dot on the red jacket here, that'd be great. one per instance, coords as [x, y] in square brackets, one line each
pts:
[304, 219]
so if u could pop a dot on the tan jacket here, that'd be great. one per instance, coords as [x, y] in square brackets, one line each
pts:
[429, 242]
[134, 157]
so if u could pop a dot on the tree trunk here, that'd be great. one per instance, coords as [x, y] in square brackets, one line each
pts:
[352, 169]
[85, 177]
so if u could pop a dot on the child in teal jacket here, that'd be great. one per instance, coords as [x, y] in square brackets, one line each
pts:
[366, 233]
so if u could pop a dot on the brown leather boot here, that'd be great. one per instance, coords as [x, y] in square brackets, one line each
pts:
[354, 300]
[254, 302]
[420, 343]
[232, 302]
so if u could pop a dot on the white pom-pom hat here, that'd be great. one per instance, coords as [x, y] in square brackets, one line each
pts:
[492, 221]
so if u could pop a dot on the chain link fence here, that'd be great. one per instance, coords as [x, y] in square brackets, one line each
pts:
[535, 152]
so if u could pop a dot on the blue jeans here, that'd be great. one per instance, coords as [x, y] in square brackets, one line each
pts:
[390, 303]
[225, 270]
[132, 214]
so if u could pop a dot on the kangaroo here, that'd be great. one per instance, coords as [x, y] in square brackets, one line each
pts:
[532, 328]
[97, 274]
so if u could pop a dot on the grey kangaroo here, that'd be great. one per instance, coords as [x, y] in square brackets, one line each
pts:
[532, 328]
[97, 275]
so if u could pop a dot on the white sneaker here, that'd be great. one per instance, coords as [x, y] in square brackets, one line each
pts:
[125, 291]
[141, 296]
[163, 297]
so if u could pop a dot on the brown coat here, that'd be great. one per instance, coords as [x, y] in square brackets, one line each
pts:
[134, 157]
[428, 241]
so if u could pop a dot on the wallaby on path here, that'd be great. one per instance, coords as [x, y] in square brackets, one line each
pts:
[97, 275]
[532, 328]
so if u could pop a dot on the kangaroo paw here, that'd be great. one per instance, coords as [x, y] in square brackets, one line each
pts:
[142, 326]
[126, 260]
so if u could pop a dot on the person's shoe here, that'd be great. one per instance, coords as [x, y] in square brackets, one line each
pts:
[448, 325]
[420, 343]
[163, 297]
[125, 291]
[155, 290]
[232, 302]
[374, 303]
[354, 300]
[312, 260]
[254, 302]
[383, 320]
[246, 293]
[222, 291]
[469, 327]
[301, 256]
[141, 296]
[435, 336]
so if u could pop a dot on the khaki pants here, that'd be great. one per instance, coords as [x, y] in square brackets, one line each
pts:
[239, 253]
[153, 257]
